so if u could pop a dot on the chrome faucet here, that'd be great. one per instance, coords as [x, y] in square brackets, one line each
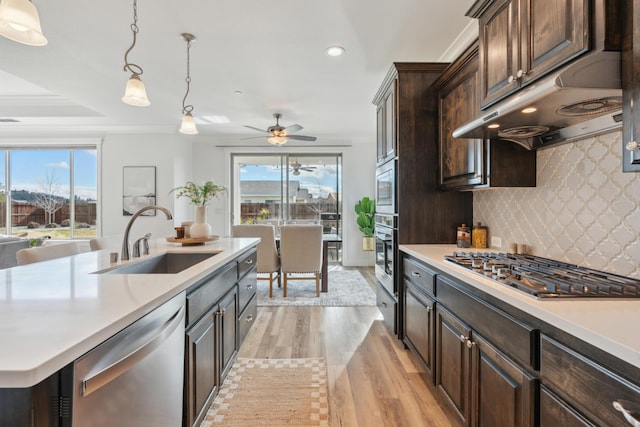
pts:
[125, 241]
[144, 242]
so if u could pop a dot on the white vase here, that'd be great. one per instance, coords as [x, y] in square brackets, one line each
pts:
[200, 228]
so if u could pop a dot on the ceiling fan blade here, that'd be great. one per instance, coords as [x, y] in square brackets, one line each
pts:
[302, 137]
[293, 129]
[254, 128]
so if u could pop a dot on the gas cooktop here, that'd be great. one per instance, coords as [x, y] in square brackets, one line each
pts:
[546, 278]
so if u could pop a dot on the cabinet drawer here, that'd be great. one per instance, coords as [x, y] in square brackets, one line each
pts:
[514, 338]
[419, 274]
[247, 288]
[555, 412]
[387, 306]
[246, 263]
[247, 318]
[201, 296]
[587, 386]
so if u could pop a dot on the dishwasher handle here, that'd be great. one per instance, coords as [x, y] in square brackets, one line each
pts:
[122, 364]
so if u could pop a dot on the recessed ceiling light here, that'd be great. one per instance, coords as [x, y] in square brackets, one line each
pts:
[237, 92]
[493, 126]
[529, 110]
[335, 50]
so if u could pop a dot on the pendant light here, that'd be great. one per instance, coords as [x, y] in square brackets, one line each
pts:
[188, 123]
[135, 94]
[19, 21]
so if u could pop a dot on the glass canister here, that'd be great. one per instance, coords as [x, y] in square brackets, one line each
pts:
[479, 236]
[463, 237]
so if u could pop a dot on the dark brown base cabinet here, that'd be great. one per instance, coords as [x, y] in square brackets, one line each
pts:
[213, 339]
[498, 366]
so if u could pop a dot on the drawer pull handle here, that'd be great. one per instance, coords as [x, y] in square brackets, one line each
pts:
[384, 304]
[626, 413]
[249, 261]
[249, 318]
[249, 286]
[415, 274]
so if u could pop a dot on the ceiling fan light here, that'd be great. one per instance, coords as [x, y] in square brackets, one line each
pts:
[135, 94]
[188, 126]
[19, 21]
[277, 140]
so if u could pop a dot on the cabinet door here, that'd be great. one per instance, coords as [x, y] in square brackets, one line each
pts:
[631, 88]
[380, 150]
[453, 375]
[228, 342]
[462, 162]
[200, 377]
[503, 394]
[552, 33]
[499, 51]
[390, 121]
[418, 323]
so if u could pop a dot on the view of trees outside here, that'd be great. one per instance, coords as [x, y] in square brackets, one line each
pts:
[48, 193]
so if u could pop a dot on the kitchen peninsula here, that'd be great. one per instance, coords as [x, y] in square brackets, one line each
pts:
[53, 312]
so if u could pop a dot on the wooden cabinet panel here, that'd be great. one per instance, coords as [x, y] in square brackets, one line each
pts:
[200, 379]
[453, 377]
[389, 147]
[631, 87]
[203, 295]
[574, 378]
[504, 394]
[419, 328]
[380, 150]
[247, 318]
[228, 341]
[419, 274]
[388, 306]
[554, 412]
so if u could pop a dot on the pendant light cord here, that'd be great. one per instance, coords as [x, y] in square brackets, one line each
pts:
[133, 68]
[187, 108]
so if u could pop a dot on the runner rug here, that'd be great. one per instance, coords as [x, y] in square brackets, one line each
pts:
[272, 392]
[346, 288]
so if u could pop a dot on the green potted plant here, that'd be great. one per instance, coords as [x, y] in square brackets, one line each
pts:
[199, 195]
[366, 209]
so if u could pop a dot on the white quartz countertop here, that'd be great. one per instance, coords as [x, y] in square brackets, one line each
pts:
[608, 324]
[52, 312]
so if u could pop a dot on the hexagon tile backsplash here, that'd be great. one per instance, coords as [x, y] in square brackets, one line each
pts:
[584, 210]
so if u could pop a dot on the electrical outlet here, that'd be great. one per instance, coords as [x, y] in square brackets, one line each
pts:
[496, 242]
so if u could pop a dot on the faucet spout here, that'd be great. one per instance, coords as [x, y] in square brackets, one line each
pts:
[125, 240]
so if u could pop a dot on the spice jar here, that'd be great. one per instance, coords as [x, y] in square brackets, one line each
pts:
[479, 236]
[463, 237]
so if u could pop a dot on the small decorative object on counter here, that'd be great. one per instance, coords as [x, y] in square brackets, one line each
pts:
[179, 232]
[479, 236]
[463, 239]
[522, 248]
[187, 228]
[513, 248]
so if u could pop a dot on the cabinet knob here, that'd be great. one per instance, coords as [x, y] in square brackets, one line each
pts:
[415, 274]
[249, 261]
[249, 318]
[428, 309]
[511, 79]
[470, 343]
[632, 146]
[520, 73]
[463, 338]
[626, 413]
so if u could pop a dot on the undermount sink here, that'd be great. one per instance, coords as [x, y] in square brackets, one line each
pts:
[168, 263]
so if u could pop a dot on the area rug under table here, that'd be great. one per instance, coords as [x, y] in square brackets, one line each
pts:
[346, 288]
[272, 392]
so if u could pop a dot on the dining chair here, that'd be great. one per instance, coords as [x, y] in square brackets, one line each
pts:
[268, 259]
[44, 253]
[300, 253]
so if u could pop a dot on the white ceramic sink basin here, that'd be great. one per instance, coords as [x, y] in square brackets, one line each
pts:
[168, 263]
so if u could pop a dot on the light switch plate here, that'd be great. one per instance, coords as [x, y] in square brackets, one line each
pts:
[496, 242]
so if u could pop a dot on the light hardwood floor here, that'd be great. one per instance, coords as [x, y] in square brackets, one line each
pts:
[372, 379]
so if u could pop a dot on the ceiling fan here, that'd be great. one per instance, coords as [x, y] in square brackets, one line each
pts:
[297, 167]
[278, 135]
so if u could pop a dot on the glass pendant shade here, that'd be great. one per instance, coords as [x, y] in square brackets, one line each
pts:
[188, 125]
[135, 94]
[19, 21]
[277, 140]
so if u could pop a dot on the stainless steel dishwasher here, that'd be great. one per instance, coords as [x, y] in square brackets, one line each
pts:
[135, 378]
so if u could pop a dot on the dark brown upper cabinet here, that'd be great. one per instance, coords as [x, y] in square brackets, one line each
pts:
[386, 123]
[522, 40]
[474, 163]
[631, 88]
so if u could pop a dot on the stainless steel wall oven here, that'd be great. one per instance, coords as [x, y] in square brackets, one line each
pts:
[386, 187]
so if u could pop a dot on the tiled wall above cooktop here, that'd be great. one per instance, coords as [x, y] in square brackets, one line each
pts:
[584, 210]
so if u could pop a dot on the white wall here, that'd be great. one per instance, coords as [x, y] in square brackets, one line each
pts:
[358, 159]
[170, 154]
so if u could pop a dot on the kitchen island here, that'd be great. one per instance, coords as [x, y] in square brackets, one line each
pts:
[55, 311]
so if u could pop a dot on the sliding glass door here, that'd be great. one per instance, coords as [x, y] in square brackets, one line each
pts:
[287, 188]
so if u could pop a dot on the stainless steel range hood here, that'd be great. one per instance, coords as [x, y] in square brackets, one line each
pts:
[582, 99]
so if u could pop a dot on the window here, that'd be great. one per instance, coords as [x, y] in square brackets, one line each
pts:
[49, 192]
[288, 188]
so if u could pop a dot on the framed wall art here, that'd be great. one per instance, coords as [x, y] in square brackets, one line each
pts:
[138, 189]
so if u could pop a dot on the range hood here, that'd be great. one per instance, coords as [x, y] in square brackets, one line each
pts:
[584, 98]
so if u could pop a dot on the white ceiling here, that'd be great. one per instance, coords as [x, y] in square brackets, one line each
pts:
[270, 51]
